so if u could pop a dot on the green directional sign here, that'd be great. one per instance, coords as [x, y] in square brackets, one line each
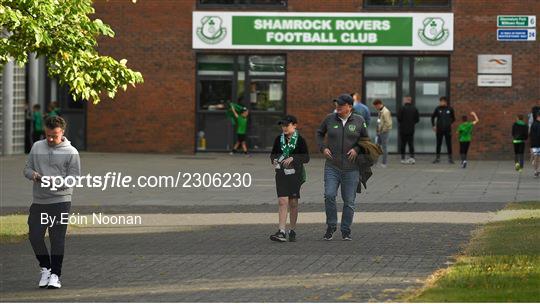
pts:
[516, 21]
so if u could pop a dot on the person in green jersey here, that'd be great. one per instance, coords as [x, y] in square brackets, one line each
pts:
[465, 136]
[241, 129]
[37, 123]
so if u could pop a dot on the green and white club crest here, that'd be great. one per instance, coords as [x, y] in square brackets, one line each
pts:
[433, 32]
[352, 128]
[211, 30]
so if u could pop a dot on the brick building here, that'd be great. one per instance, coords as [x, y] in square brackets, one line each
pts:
[186, 87]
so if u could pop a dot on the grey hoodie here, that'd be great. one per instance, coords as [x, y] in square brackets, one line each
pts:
[60, 160]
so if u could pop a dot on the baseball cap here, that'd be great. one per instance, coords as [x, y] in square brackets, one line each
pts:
[344, 99]
[287, 119]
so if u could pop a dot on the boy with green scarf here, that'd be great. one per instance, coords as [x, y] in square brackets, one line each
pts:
[288, 156]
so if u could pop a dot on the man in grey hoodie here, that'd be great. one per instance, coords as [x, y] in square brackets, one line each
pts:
[51, 157]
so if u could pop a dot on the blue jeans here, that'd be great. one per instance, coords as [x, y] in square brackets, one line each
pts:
[382, 140]
[348, 180]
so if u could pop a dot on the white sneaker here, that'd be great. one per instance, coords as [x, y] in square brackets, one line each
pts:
[54, 282]
[45, 276]
[411, 161]
[404, 161]
[383, 166]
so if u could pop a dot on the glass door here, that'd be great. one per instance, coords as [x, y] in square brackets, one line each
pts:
[390, 78]
[430, 81]
[382, 81]
[385, 90]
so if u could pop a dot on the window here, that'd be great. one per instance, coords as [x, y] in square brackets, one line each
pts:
[381, 66]
[215, 85]
[279, 3]
[431, 66]
[407, 3]
[255, 81]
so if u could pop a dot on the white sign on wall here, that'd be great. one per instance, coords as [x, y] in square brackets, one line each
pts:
[494, 80]
[494, 64]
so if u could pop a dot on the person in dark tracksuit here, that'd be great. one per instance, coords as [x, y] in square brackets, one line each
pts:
[520, 133]
[534, 137]
[342, 131]
[444, 114]
[407, 117]
[50, 157]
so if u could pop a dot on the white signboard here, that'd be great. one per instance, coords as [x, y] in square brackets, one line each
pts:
[431, 88]
[430, 31]
[494, 80]
[494, 64]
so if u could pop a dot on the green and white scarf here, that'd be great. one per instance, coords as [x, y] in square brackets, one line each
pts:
[288, 147]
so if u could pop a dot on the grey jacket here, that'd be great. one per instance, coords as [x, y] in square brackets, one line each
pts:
[340, 139]
[60, 160]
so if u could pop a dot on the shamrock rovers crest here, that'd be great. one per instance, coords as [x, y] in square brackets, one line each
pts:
[211, 30]
[433, 32]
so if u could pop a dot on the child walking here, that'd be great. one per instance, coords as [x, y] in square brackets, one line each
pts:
[288, 156]
[520, 133]
[465, 136]
[241, 130]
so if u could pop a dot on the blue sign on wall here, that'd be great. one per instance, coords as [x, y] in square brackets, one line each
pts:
[516, 35]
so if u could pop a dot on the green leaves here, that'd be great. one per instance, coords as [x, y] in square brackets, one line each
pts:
[62, 31]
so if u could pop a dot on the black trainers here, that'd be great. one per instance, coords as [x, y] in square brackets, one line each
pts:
[451, 161]
[346, 236]
[436, 161]
[292, 236]
[329, 233]
[278, 237]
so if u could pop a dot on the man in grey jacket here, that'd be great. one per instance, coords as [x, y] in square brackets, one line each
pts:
[50, 157]
[342, 130]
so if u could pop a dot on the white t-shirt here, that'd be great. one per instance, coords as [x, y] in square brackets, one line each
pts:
[344, 120]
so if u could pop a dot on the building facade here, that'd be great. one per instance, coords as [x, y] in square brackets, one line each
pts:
[189, 81]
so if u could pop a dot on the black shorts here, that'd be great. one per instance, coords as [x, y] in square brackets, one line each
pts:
[288, 185]
[241, 137]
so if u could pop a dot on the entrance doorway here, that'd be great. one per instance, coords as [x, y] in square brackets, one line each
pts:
[256, 82]
[391, 77]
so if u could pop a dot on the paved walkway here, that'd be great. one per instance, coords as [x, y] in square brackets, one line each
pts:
[212, 245]
[481, 182]
[239, 263]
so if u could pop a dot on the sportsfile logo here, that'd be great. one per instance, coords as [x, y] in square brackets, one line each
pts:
[120, 180]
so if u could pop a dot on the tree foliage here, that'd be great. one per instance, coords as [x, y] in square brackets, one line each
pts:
[63, 32]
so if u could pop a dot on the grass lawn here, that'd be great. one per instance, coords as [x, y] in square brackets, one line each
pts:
[13, 228]
[523, 205]
[501, 264]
